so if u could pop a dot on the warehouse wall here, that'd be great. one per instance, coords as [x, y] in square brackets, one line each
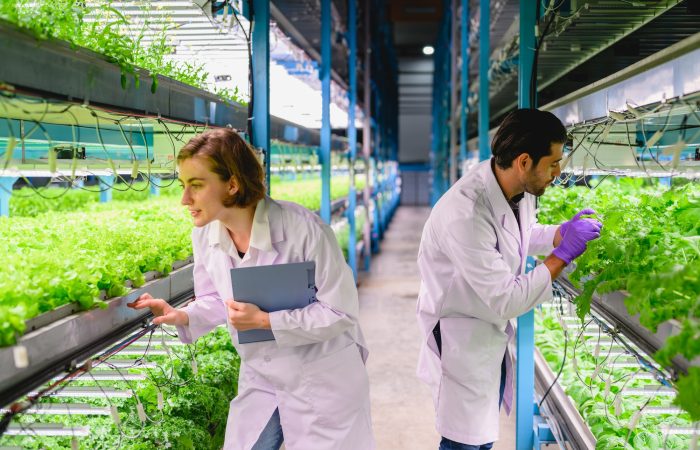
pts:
[415, 185]
[415, 125]
[414, 138]
[414, 155]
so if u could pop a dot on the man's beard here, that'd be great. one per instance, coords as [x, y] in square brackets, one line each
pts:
[533, 187]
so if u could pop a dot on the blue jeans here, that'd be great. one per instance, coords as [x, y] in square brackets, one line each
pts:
[447, 444]
[271, 437]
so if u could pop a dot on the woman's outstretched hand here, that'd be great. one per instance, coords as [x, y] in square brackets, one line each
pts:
[165, 314]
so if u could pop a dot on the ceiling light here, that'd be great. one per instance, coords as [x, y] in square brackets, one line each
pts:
[428, 50]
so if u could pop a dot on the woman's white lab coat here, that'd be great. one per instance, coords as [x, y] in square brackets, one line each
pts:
[471, 260]
[314, 371]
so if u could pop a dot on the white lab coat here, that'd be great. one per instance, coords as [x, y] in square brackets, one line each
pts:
[471, 260]
[314, 371]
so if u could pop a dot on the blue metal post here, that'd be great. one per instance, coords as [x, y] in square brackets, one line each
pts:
[484, 51]
[154, 182]
[105, 183]
[352, 132]
[439, 144]
[465, 81]
[435, 191]
[367, 138]
[6, 184]
[525, 369]
[325, 75]
[377, 188]
[261, 80]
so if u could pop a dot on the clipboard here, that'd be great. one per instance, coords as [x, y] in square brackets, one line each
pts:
[273, 288]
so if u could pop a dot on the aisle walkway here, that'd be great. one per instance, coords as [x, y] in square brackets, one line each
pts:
[402, 410]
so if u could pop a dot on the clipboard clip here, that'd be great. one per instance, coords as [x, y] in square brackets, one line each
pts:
[311, 281]
[312, 284]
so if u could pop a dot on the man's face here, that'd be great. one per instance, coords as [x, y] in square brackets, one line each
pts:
[538, 177]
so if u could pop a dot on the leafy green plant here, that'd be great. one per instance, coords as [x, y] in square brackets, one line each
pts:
[101, 27]
[595, 384]
[649, 248]
[70, 249]
[27, 202]
[59, 258]
[343, 233]
[231, 95]
[306, 192]
[195, 406]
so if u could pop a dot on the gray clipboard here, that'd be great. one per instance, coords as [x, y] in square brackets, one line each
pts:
[273, 288]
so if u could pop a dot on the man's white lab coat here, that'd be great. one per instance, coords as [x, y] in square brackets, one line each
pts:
[472, 259]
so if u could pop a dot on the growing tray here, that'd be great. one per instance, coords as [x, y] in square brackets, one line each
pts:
[43, 353]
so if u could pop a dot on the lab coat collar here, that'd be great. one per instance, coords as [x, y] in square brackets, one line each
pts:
[263, 234]
[498, 201]
[499, 204]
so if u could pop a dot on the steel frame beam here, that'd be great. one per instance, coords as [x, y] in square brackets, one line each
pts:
[261, 81]
[484, 52]
[352, 132]
[325, 75]
[525, 368]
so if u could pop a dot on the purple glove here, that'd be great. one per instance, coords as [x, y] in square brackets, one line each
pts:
[578, 233]
[564, 227]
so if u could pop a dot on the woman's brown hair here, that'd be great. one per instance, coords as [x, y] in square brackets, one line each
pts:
[229, 156]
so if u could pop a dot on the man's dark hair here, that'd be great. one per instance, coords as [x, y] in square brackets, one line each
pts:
[528, 131]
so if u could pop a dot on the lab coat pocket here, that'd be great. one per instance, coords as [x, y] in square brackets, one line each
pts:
[472, 349]
[337, 386]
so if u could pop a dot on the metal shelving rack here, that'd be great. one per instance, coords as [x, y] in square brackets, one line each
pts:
[661, 69]
[631, 341]
[65, 76]
[671, 68]
[36, 357]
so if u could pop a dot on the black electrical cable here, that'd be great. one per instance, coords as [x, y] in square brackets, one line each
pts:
[561, 369]
[60, 384]
[533, 75]
[251, 89]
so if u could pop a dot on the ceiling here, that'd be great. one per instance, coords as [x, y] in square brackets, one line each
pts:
[301, 21]
[602, 37]
[415, 25]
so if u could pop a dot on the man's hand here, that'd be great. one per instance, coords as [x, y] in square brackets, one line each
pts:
[165, 314]
[576, 236]
[247, 316]
[564, 227]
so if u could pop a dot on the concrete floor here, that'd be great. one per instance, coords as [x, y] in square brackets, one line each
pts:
[402, 409]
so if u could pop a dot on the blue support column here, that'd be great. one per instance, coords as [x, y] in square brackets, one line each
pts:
[6, 184]
[439, 154]
[352, 132]
[376, 188]
[261, 81]
[367, 137]
[325, 75]
[525, 369]
[105, 183]
[484, 51]
[379, 174]
[436, 178]
[465, 81]
[154, 183]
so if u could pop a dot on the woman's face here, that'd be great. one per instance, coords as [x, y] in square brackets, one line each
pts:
[203, 191]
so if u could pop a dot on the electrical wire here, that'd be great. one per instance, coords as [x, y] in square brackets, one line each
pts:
[251, 85]
[533, 73]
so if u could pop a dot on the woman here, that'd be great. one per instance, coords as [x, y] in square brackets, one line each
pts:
[309, 386]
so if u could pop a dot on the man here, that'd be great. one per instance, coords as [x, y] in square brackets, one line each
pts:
[472, 264]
